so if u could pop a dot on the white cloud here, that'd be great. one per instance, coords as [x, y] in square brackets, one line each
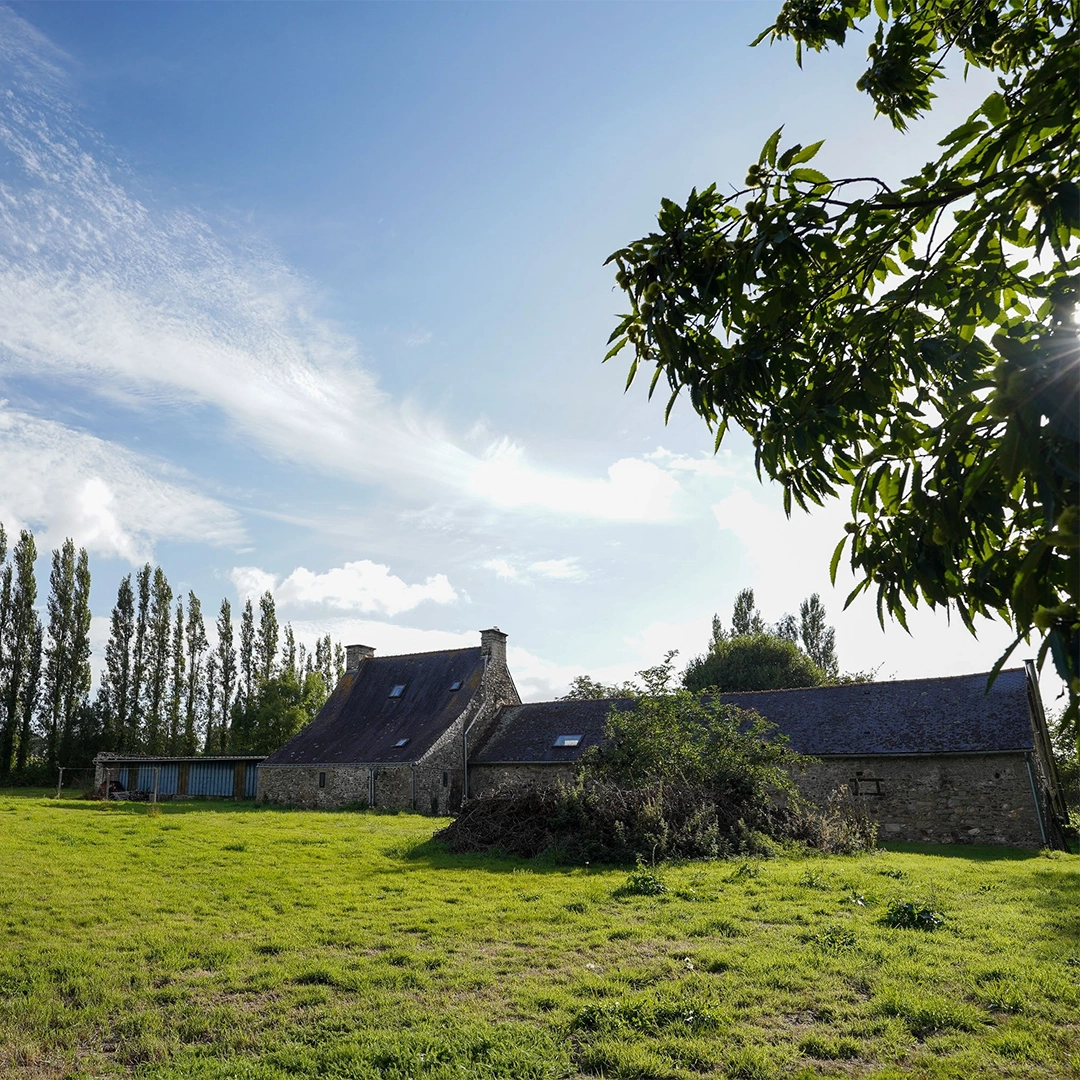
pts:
[559, 569]
[418, 338]
[357, 586]
[156, 309]
[108, 499]
[251, 582]
[565, 569]
[502, 569]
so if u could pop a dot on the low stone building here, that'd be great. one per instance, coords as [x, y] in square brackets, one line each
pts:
[396, 731]
[932, 760]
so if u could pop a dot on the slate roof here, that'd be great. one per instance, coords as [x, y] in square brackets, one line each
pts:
[951, 715]
[361, 722]
[528, 732]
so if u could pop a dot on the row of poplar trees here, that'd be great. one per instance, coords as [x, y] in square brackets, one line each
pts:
[164, 690]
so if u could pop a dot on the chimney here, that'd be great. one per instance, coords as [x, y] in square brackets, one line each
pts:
[493, 645]
[355, 653]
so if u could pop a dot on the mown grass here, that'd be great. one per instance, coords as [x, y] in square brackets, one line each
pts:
[229, 941]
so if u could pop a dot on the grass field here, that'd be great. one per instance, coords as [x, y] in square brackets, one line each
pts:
[225, 940]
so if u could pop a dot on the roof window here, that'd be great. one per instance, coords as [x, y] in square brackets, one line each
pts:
[398, 690]
[401, 742]
[568, 740]
[456, 684]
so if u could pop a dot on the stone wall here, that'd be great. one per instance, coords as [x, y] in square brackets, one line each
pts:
[943, 799]
[487, 779]
[298, 785]
[936, 799]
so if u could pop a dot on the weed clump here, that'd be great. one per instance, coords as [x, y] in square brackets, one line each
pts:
[644, 881]
[911, 915]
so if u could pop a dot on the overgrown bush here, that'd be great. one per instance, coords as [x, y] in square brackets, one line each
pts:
[678, 776]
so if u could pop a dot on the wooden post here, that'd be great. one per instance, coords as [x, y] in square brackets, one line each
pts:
[153, 797]
[60, 782]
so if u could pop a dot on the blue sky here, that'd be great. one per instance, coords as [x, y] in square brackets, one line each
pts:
[312, 297]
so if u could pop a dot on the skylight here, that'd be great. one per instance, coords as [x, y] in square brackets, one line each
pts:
[456, 685]
[398, 690]
[569, 740]
[401, 742]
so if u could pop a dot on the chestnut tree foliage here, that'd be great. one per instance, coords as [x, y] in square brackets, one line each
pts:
[912, 345]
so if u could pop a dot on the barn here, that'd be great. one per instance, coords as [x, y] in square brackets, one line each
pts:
[396, 731]
[939, 760]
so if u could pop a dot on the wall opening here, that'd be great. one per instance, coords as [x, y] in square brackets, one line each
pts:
[322, 779]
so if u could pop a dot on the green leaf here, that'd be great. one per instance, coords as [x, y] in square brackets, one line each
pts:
[809, 176]
[768, 151]
[881, 9]
[994, 108]
[835, 562]
[807, 152]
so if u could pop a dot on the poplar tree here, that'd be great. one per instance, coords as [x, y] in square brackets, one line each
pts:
[115, 697]
[157, 659]
[22, 631]
[215, 739]
[5, 651]
[226, 673]
[136, 708]
[247, 653]
[177, 681]
[195, 690]
[67, 670]
[35, 644]
[288, 653]
[266, 644]
[746, 619]
[818, 638]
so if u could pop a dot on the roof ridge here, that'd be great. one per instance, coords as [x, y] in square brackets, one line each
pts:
[877, 682]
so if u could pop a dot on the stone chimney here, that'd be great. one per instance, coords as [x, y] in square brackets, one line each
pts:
[355, 653]
[493, 646]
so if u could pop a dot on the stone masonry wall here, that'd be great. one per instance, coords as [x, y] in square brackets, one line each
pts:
[945, 799]
[445, 760]
[937, 799]
[298, 785]
[487, 779]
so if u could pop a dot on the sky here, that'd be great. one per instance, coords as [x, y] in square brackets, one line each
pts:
[312, 298]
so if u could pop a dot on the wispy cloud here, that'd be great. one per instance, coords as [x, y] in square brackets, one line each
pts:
[159, 309]
[362, 586]
[108, 499]
[565, 569]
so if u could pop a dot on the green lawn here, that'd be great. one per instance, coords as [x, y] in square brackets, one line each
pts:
[224, 940]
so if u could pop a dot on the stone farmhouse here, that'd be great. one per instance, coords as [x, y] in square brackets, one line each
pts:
[933, 760]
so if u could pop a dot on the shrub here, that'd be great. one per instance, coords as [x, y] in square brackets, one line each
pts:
[643, 882]
[759, 661]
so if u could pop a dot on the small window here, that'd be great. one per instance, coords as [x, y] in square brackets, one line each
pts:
[456, 685]
[445, 779]
[568, 740]
[401, 742]
[398, 690]
[322, 779]
[866, 785]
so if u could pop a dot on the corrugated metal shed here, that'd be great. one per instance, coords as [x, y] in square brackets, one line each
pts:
[363, 722]
[952, 715]
[179, 777]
